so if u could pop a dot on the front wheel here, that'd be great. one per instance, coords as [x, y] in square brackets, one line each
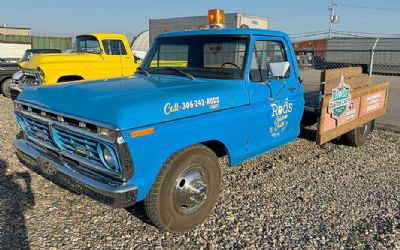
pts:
[358, 136]
[185, 190]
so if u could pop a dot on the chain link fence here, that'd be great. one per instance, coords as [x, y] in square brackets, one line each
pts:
[378, 56]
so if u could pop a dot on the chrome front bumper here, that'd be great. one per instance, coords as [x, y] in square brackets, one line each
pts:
[19, 81]
[115, 194]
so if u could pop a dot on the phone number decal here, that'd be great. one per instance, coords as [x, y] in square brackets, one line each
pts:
[211, 102]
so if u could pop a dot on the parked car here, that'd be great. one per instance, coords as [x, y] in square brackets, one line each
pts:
[318, 63]
[7, 70]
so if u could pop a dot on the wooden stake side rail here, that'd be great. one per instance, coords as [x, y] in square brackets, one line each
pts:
[354, 82]
[335, 74]
[349, 100]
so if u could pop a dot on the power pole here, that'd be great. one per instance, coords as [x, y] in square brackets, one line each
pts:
[333, 18]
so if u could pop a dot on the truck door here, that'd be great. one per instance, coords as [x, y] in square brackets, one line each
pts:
[117, 60]
[276, 103]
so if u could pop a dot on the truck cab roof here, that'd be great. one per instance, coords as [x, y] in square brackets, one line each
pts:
[104, 35]
[235, 31]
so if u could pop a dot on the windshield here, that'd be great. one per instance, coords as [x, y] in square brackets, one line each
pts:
[26, 57]
[211, 56]
[87, 44]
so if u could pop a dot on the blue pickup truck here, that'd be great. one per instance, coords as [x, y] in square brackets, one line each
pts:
[156, 136]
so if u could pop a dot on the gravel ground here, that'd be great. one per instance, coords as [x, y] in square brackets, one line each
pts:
[298, 196]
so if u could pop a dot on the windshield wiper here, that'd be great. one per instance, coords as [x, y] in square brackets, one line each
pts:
[181, 72]
[147, 73]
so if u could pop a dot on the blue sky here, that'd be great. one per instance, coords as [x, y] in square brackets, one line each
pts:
[72, 17]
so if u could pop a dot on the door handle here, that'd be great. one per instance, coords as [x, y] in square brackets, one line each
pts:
[292, 89]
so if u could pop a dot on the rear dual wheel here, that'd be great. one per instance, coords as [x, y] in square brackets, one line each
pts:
[185, 190]
[358, 136]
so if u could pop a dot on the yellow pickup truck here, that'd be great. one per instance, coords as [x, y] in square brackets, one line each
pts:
[95, 56]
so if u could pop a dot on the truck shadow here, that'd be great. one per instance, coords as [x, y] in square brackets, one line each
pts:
[308, 133]
[139, 211]
[16, 196]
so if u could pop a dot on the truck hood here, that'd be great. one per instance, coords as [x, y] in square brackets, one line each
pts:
[40, 59]
[132, 102]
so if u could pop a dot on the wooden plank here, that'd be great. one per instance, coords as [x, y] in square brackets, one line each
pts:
[336, 74]
[358, 95]
[332, 134]
[354, 82]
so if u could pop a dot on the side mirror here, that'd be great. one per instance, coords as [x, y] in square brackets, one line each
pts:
[279, 69]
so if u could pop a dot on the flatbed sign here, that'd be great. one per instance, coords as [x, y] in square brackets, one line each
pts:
[349, 103]
[340, 101]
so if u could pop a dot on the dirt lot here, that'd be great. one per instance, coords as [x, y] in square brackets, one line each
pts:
[299, 196]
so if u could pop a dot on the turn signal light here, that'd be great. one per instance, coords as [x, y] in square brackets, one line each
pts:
[142, 132]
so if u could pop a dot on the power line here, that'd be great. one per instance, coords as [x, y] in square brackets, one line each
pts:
[368, 7]
[307, 33]
[380, 23]
[353, 34]
[310, 35]
[320, 35]
[369, 33]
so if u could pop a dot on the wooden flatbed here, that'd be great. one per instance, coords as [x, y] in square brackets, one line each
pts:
[346, 101]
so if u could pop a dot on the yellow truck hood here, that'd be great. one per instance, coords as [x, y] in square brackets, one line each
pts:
[38, 60]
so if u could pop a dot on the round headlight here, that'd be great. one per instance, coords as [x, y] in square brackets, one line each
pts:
[109, 158]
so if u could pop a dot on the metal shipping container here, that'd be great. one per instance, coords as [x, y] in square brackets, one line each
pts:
[39, 42]
[44, 42]
[232, 20]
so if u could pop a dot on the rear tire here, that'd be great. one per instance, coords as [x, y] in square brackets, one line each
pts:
[5, 88]
[358, 136]
[185, 190]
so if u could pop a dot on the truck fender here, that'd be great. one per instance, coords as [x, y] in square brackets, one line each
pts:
[70, 78]
[145, 171]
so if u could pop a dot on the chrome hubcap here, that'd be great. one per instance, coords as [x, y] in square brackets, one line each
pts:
[364, 129]
[191, 189]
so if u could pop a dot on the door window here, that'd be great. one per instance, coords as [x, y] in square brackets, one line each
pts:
[114, 47]
[265, 53]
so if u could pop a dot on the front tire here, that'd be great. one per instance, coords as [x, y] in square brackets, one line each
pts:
[5, 88]
[185, 190]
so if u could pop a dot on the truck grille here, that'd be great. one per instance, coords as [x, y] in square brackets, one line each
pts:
[28, 78]
[77, 144]
[36, 129]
